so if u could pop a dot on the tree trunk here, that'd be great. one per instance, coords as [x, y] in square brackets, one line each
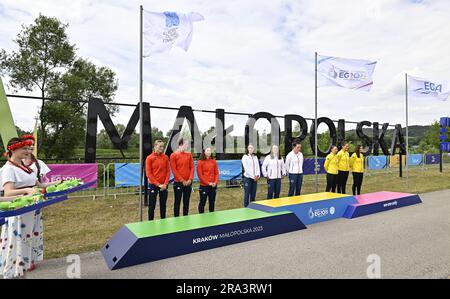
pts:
[43, 125]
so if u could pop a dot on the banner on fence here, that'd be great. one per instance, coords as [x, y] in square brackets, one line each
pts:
[86, 172]
[377, 162]
[415, 159]
[127, 174]
[308, 166]
[395, 160]
[432, 158]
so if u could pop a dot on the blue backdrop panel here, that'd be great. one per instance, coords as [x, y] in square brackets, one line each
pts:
[308, 166]
[415, 159]
[377, 162]
[228, 169]
[432, 158]
[127, 174]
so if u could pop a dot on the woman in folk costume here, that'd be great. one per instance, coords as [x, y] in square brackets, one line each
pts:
[40, 169]
[38, 166]
[16, 240]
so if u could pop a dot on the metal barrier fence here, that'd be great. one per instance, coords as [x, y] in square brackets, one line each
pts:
[106, 183]
[99, 191]
[113, 191]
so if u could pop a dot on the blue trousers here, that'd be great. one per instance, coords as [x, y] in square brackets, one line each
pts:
[249, 190]
[273, 188]
[295, 184]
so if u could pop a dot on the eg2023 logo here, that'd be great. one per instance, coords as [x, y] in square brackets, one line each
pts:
[322, 212]
[348, 75]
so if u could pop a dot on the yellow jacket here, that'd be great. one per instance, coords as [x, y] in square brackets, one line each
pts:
[343, 160]
[357, 164]
[331, 164]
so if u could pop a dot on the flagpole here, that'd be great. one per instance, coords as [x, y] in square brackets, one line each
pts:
[407, 135]
[141, 122]
[315, 127]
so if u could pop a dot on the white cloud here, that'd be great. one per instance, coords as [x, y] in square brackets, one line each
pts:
[251, 56]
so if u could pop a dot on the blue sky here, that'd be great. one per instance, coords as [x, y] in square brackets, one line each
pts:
[251, 55]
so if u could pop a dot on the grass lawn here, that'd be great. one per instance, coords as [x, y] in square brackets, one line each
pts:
[83, 224]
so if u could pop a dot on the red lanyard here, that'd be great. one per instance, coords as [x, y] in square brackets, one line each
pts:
[23, 167]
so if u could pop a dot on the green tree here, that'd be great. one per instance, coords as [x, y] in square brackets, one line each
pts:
[43, 53]
[430, 141]
[104, 142]
[85, 80]
[66, 119]
[158, 134]
[46, 61]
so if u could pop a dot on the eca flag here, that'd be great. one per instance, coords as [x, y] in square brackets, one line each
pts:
[344, 72]
[163, 31]
[420, 87]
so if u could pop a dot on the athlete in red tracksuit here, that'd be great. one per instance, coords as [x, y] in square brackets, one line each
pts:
[208, 174]
[182, 165]
[157, 169]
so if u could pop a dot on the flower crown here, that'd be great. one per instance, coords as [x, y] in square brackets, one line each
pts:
[18, 145]
[28, 137]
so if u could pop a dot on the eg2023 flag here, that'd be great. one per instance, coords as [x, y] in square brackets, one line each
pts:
[343, 72]
[162, 31]
[426, 88]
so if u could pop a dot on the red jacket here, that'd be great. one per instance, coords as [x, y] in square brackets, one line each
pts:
[207, 172]
[182, 165]
[157, 169]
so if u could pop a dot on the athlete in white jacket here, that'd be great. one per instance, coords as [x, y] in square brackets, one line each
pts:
[273, 169]
[252, 173]
[294, 168]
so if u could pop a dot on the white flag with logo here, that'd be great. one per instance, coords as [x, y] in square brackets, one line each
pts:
[343, 72]
[426, 88]
[164, 30]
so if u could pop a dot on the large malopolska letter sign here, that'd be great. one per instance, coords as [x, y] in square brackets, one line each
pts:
[97, 110]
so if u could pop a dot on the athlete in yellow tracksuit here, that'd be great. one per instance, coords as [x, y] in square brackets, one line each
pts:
[357, 167]
[331, 167]
[343, 158]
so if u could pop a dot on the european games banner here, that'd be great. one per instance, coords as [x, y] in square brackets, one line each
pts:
[344, 72]
[377, 162]
[308, 166]
[425, 88]
[394, 161]
[86, 172]
[432, 159]
[415, 159]
[127, 174]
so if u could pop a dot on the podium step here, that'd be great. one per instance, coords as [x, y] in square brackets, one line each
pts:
[376, 202]
[148, 241]
[310, 208]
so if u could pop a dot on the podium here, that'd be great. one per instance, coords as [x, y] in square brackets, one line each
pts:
[148, 241]
[142, 242]
[310, 208]
[376, 202]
